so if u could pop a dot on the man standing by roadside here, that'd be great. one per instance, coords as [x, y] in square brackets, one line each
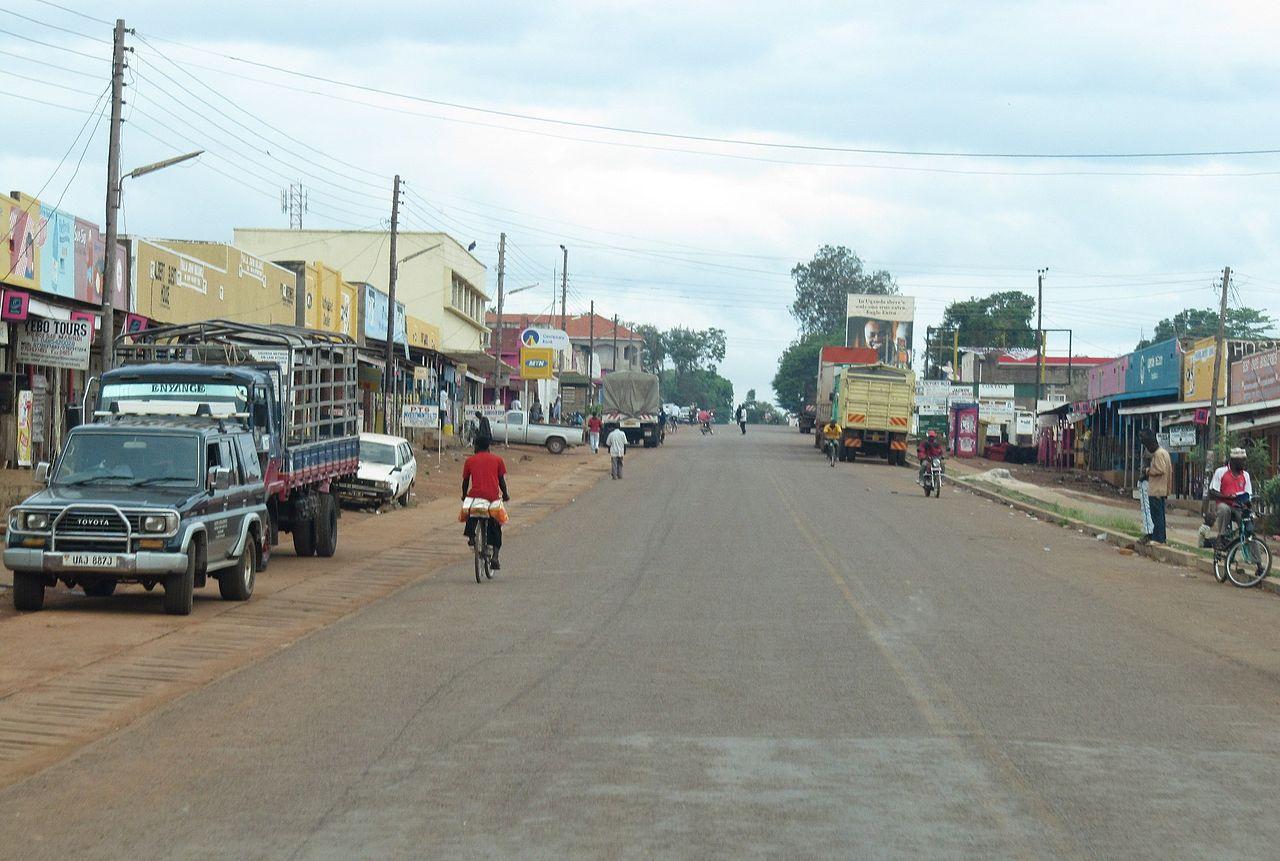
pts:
[617, 442]
[593, 432]
[1158, 476]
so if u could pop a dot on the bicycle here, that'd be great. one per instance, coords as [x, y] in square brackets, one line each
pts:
[833, 451]
[1247, 558]
[478, 514]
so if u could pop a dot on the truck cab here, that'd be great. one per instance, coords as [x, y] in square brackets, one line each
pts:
[155, 500]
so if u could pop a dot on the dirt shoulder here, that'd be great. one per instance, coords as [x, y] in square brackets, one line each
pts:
[84, 667]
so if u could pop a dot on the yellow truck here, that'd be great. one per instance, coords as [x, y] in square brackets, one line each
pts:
[873, 404]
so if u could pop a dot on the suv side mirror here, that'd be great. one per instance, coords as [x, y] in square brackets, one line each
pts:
[219, 478]
[42, 472]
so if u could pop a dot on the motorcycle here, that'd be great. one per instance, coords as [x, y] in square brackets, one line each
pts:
[932, 479]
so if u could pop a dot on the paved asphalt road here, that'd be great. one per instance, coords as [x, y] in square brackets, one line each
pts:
[737, 651]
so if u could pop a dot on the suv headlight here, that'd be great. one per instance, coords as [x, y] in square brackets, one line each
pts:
[35, 521]
[157, 523]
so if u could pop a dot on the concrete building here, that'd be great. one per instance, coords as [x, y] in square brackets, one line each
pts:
[583, 331]
[444, 286]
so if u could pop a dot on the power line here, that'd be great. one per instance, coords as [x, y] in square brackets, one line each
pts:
[55, 26]
[27, 38]
[744, 142]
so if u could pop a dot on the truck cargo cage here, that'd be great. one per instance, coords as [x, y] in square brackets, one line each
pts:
[317, 370]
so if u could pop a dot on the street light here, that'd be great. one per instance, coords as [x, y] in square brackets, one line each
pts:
[497, 342]
[407, 258]
[108, 275]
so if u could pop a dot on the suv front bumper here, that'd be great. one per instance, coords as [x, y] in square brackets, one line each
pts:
[144, 562]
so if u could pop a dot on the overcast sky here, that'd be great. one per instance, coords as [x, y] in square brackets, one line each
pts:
[685, 232]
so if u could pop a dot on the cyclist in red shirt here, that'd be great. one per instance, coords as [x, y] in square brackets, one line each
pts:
[484, 476]
[1230, 485]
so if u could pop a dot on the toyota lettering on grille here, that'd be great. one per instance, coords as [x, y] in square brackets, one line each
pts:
[93, 521]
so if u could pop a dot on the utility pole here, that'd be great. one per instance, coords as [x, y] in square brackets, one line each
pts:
[1040, 336]
[591, 359]
[388, 374]
[497, 338]
[564, 286]
[113, 198]
[615, 342]
[1219, 348]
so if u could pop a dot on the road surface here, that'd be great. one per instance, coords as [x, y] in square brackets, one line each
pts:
[736, 651]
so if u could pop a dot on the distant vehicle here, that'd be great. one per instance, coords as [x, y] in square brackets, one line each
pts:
[830, 360]
[631, 402]
[807, 418]
[387, 472]
[517, 428]
[295, 387]
[162, 501]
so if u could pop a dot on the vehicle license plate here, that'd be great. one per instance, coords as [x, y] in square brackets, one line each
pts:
[90, 560]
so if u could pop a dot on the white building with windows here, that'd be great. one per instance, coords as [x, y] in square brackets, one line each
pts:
[443, 285]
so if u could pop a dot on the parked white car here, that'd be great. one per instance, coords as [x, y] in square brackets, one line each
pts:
[517, 429]
[388, 471]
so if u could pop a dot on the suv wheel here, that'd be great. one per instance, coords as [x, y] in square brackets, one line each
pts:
[236, 583]
[28, 590]
[326, 526]
[179, 589]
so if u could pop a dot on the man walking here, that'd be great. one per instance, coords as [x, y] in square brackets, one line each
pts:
[1158, 476]
[593, 432]
[617, 442]
[741, 418]
[482, 426]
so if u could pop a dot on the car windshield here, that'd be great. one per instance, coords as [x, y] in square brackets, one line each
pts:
[129, 459]
[377, 452]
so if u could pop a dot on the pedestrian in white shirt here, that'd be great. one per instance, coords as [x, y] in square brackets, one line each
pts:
[617, 443]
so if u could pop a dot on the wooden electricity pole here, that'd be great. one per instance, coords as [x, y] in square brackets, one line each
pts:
[1211, 435]
[388, 374]
[497, 329]
[113, 199]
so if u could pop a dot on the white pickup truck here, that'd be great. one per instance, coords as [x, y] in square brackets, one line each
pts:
[517, 429]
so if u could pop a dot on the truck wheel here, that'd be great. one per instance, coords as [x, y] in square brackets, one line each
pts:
[28, 590]
[179, 589]
[236, 583]
[555, 445]
[326, 526]
[103, 588]
[304, 538]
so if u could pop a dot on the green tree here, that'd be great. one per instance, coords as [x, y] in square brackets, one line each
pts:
[653, 353]
[694, 349]
[824, 284]
[699, 386]
[1243, 323]
[998, 320]
[796, 381]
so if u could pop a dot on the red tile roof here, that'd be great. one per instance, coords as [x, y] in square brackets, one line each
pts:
[576, 325]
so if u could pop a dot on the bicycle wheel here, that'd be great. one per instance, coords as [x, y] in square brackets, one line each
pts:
[481, 549]
[1248, 562]
[1219, 566]
[488, 552]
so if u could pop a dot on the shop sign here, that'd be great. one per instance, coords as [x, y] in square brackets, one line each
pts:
[54, 343]
[1181, 436]
[556, 339]
[25, 410]
[16, 305]
[1155, 368]
[493, 412]
[535, 363]
[996, 412]
[420, 416]
[1256, 378]
[996, 391]
[1026, 424]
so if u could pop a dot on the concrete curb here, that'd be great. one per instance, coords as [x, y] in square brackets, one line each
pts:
[1167, 555]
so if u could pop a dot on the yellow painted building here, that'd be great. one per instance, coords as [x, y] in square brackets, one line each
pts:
[178, 281]
[439, 281]
[332, 305]
[422, 334]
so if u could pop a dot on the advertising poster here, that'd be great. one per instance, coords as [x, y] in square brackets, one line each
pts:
[535, 363]
[420, 416]
[1256, 378]
[26, 402]
[556, 339]
[883, 324]
[965, 438]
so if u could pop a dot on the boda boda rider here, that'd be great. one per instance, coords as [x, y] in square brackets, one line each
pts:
[927, 450]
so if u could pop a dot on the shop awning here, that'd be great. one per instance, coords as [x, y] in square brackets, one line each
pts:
[1168, 407]
[1255, 423]
[479, 360]
[1256, 407]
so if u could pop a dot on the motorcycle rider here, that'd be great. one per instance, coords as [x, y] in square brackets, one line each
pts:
[704, 418]
[1228, 483]
[927, 449]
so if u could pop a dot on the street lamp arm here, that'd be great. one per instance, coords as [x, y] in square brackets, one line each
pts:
[409, 257]
[160, 165]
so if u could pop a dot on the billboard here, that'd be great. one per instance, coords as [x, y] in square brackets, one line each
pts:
[535, 363]
[375, 316]
[1256, 378]
[556, 339]
[52, 251]
[331, 303]
[54, 343]
[1156, 369]
[883, 324]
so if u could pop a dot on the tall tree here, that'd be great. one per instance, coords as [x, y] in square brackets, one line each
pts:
[702, 387]
[796, 381]
[653, 353]
[694, 349]
[1244, 323]
[998, 320]
[824, 284]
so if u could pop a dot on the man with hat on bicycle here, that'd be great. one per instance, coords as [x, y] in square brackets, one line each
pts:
[1228, 483]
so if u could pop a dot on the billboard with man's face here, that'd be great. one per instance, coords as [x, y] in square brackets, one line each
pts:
[882, 323]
